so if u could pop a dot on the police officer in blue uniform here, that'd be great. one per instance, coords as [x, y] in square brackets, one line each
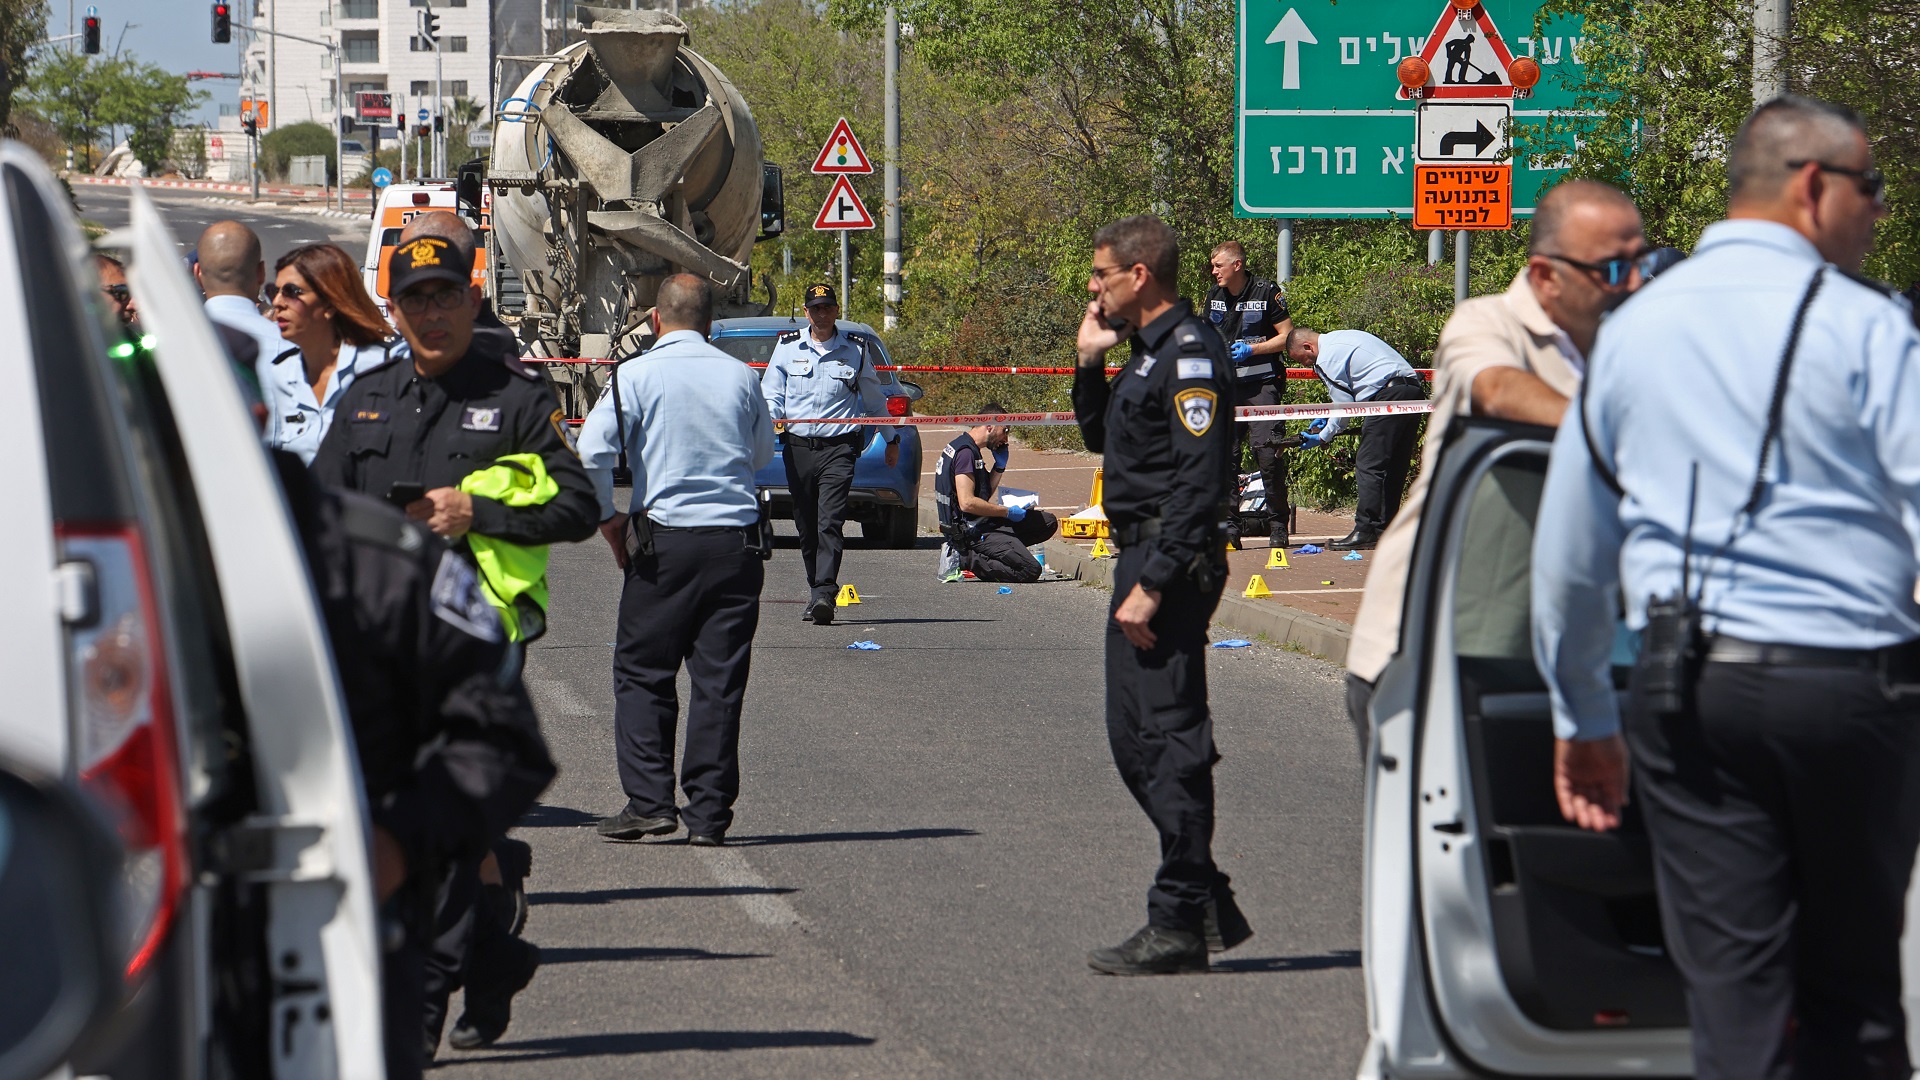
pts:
[1165, 424]
[1356, 366]
[694, 428]
[821, 373]
[1251, 315]
[1753, 402]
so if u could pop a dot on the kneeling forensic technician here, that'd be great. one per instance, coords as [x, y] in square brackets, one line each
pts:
[694, 427]
[988, 537]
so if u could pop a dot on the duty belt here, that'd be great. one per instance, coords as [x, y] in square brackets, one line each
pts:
[1137, 532]
[1254, 371]
[1898, 663]
[815, 442]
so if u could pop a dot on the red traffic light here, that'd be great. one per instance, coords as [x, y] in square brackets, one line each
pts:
[91, 38]
[222, 24]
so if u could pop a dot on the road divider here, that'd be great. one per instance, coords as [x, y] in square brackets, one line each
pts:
[1243, 414]
[1294, 374]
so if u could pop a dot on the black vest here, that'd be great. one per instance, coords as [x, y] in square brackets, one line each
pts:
[953, 523]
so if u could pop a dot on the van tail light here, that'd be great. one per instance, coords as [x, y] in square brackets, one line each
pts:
[899, 406]
[124, 728]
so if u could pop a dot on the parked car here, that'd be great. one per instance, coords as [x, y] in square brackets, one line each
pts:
[886, 498]
[1499, 939]
[165, 654]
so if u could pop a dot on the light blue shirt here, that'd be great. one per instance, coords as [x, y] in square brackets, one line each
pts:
[296, 419]
[1355, 365]
[825, 379]
[1682, 374]
[697, 430]
[241, 314]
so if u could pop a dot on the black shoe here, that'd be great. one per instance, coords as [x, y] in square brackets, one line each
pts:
[1233, 539]
[1355, 541]
[1225, 926]
[627, 825]
[1277, 538]
[509, 898]
[1155, 950]
[490, 990]
[714, 839]
[821, 611]
[431, 1036]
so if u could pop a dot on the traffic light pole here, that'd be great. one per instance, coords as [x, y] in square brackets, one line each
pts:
[339, 111]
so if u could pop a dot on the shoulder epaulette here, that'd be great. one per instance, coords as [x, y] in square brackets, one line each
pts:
[1188, 338]
[788, 338]
[295, 351]
[521, 368]
[371, 521]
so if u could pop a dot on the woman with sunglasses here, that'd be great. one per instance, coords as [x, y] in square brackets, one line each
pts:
[324, 312]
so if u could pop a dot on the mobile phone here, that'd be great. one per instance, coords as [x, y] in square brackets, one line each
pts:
[406, 491]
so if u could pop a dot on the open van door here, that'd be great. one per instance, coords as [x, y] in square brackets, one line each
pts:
[1499, 939]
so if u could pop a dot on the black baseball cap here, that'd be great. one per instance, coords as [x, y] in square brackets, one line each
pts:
[821, 294]
[430, 258]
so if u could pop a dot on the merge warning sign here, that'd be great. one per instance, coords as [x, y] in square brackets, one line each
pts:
[1462, 196]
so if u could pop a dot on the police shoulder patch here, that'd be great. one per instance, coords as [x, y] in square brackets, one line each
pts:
[788, 338]
[458, 601]
[559, 422]
[1197, 407]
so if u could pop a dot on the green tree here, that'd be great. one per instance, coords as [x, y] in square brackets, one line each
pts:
[68, 90]
[279, 146]
[148, 101]
[22, 23]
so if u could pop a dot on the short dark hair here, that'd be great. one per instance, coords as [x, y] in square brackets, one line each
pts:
[1790, 127]
[685, 300]
[992, 408]
[1143, 239]
[1232, 248]
[1551, 212]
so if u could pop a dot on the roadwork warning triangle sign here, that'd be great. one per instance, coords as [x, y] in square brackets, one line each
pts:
[843, 209]
[1467, 56]
[842, 153]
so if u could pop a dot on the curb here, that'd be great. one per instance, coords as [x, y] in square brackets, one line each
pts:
[305, 211]
[1315, 634]
[203, 185]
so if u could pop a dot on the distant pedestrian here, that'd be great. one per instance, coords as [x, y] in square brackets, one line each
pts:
[1358, 367]
[821, 373]
[1164, 424]
[335, 333]
[1251, 315]
[694, 428]
[1755, 403]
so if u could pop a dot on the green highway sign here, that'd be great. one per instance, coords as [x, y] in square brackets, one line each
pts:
[1322, 128]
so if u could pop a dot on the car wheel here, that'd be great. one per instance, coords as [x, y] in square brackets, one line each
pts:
[903, 527]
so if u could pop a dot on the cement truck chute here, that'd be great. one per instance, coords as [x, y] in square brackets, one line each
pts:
[623, 159]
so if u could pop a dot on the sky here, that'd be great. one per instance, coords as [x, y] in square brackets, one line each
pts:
[175, 34]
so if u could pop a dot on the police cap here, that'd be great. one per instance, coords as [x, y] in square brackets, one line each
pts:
[429, 258]
[821, 294]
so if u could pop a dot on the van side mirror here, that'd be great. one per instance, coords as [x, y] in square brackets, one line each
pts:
[466, 186]
[773, 202]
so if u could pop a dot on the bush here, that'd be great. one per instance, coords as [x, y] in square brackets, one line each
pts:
[279, 146]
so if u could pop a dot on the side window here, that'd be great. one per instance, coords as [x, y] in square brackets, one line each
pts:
[1492, 584]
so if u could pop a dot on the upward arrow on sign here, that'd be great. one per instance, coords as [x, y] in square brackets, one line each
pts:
[1293, 31]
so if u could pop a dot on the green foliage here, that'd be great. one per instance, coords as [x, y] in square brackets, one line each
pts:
[22, 22]
[68, 90]
[281, 145]
[86, 98]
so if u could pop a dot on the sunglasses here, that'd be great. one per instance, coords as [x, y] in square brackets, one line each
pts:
[414, 303]
[120, 293]
[291, 292]
[1614, 273]
[1870, 181]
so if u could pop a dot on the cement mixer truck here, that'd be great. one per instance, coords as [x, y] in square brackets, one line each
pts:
[620, 160]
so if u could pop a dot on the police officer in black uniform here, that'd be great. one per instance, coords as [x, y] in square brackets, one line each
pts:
[1165, 424]
[408, 432]
[1251, 315]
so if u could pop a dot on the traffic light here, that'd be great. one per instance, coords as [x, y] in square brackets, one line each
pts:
[439, 123]
[222, 24]
[430, 26]
[90, 40]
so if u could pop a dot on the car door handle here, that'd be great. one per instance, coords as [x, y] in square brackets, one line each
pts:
[1451, 828]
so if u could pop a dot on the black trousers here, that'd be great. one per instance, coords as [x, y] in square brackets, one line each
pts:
[819, 478]
[998, 552]
[1784, 814]
[464, 945]
[1162, 737]
[694, 601]
[1387, 445]
[402, 981]
[1271, 460]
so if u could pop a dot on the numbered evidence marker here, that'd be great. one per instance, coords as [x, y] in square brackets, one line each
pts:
[842, 153]
[843, 209]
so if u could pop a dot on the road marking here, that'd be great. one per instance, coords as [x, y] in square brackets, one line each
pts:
[729, 867]
[1311, 592]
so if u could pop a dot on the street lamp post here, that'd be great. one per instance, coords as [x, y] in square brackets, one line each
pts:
[339, 105]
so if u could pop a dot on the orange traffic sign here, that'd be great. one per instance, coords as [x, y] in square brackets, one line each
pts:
[1462, 196]
[842, 153]
[843, 209]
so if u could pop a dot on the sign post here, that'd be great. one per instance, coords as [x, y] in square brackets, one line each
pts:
[842, 158]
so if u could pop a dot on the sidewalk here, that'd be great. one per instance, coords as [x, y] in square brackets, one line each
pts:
[1314, 600]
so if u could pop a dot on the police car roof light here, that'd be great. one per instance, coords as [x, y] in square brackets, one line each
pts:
[422, 198]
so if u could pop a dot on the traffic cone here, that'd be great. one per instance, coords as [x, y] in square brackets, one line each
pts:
[848, 597]
[1101, 550]
[1257, 588]
[1277, 559]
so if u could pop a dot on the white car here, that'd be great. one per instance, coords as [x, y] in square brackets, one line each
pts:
[164, 652]
[1499, 940]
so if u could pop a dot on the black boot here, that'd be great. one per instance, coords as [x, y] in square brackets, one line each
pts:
[509, 898]
[497, 974]
[1355, 541]
[1154, 950]
[1277, 535]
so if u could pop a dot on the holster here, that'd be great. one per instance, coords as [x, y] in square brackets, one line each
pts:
[638, 537]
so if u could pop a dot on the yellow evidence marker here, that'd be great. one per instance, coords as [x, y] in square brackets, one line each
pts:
[848, 596]
[1277, 559]
[1101, 550]
[1257, 588]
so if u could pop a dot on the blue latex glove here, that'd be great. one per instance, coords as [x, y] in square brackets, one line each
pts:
[1317, 426]
[1239, 350]
[1000, 458]
[1015, 513]
[1313, 440]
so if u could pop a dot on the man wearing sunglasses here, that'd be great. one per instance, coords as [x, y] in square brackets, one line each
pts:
[1756, 401]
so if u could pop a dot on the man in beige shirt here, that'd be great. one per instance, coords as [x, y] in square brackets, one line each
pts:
[1518, 356]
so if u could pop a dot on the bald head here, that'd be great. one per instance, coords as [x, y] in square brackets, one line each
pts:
[684, 302]
[1789, 128]
[445, 225]
[1575, 204]
[230, 262]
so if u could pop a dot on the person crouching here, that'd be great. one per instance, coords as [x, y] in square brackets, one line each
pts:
[989, 538]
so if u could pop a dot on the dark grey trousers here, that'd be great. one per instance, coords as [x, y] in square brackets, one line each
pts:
[999, 552]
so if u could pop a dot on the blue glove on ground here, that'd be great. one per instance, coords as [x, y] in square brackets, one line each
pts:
[1000, 458]
[1239, 350]
[1015, 513]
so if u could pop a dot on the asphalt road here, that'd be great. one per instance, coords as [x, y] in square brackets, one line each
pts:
[929, 839]
[188, 213]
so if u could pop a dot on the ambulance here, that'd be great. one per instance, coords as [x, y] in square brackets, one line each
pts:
[401, 203]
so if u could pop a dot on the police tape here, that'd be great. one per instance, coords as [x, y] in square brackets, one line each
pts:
[1243, 414]
[1293, 374]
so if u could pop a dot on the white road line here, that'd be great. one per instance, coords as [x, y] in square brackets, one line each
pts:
[1311, 592]
[729, 867]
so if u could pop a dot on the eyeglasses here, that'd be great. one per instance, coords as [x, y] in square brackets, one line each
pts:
[120, 293]
[414, 303]
[1615, 272]
[1101, 272]
[1871, 182]
[291, 292]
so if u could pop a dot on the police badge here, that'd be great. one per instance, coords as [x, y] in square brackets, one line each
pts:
[1196, 409]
